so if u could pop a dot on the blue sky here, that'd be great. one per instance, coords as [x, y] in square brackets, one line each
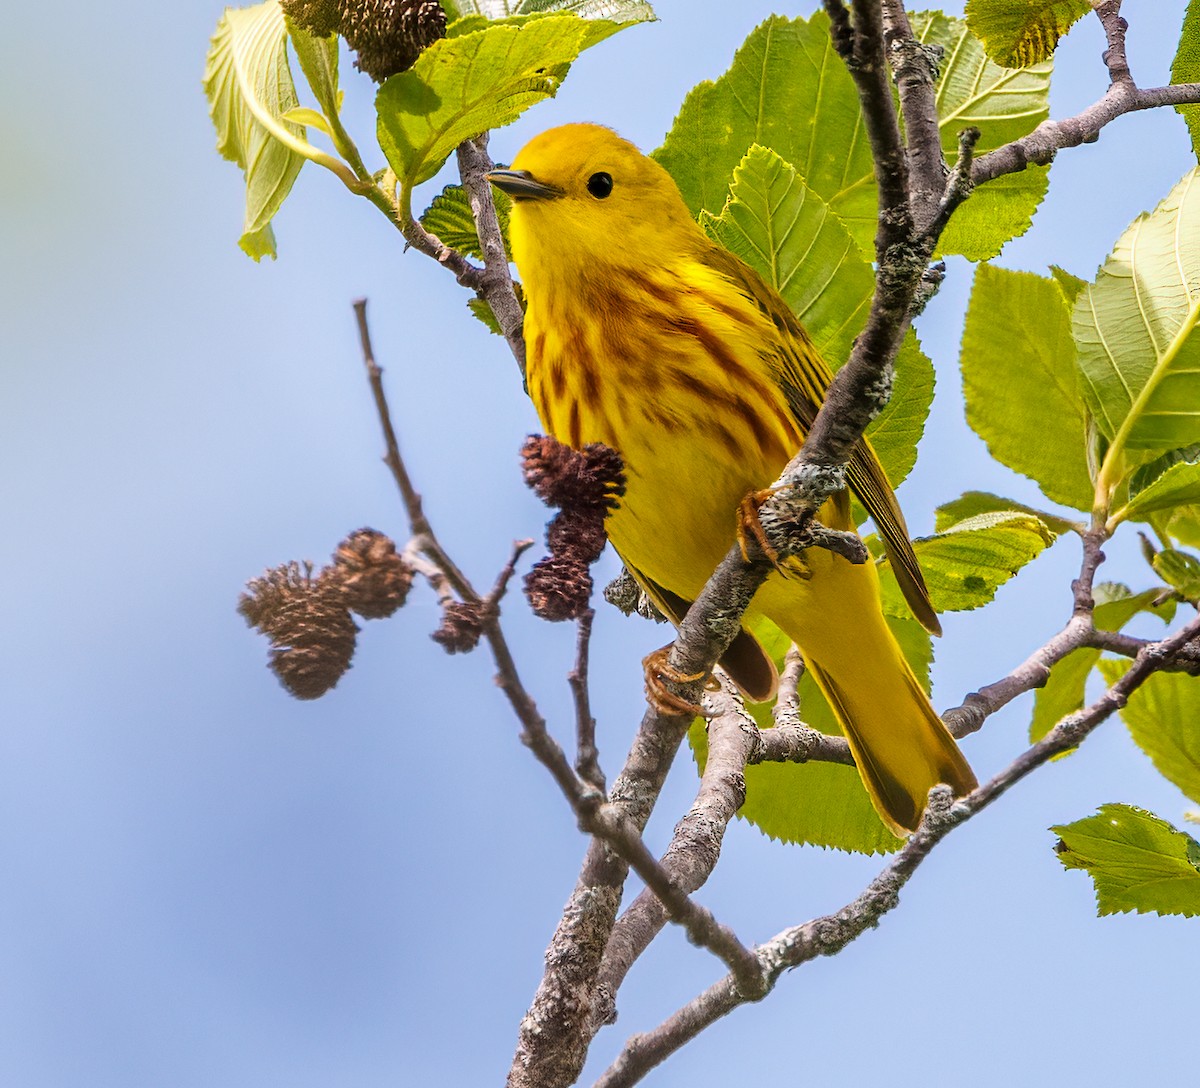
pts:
[207, 883]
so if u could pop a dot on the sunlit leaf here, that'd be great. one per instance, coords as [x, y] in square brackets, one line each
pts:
[1163, 716]
[1135, 328]
[1186, 67]
[248, 82]
[449, 217]
[965, 565]
[468, 83]
[971, 503]
[1021, 382]
[1137, 861]
[1017, 33]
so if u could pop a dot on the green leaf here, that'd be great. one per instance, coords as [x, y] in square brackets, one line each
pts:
[449, 216]
[1135, 326]
[1021, 382]
[1180, 570]
[788, 90]
[1184, 525]
[318, 59]
[790, 236]
[971, 503]
[246, 77]
[822, 804]
[305, 115]
[468, 83]
[1017, 33]
[619, 11]
[1063, 693]
[1066, 688]
[965, 565]
[1163, 716]
[1070, 284]
[1004, 104]
[1186, 67]
[1137, 861]
[1179, 485]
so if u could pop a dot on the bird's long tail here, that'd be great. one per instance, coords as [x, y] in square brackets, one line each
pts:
[901, 746]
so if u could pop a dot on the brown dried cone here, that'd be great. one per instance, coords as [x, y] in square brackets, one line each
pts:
[559, 588]
[319, 17]
[460, 629]
[589, 479]
[374, 581]
[585, 484]
[312, 634]
[389, 35]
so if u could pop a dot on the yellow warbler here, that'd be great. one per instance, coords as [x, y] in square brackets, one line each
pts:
[644, 334]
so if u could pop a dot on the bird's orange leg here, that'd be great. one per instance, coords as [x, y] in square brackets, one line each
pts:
[659, 672]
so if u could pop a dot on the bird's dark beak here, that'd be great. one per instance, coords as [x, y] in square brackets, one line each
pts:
[522, 185]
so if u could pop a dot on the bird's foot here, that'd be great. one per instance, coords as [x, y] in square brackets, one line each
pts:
[659, 673]
[750, 529]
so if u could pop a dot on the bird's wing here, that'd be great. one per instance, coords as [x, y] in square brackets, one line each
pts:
[804, 377]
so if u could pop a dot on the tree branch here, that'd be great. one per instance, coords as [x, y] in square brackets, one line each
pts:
[495, 286]
[1123, 96]
[587, 758]
[695, 845]
[915, 67]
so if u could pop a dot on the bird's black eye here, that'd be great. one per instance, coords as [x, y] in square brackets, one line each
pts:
[600, 185]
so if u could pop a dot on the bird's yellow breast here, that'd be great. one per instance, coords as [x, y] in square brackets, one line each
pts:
[668, 368]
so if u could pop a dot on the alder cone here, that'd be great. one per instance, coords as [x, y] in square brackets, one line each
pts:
[372, 579]
[389, 35]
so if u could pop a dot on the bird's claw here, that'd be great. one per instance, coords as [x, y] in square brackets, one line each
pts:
[750, 528]
[659, 673]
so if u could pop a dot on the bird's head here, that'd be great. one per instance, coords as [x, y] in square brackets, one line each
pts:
[585, 200]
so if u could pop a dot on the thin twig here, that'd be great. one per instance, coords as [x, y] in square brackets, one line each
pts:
[418, 523]
[495, 286]
[587, 758]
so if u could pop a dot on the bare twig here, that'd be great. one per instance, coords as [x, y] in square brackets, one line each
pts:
[495, 286]
[1123, 96]
[587, 758]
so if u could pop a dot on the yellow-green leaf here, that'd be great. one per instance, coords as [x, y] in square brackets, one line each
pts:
[1135, 330]
[1017, 33]
[965, 565]
[1178, 486]
[971, 503]
[468, 83]
[250, 89]
[1137, 861]
[1163, 717]
[1021, 382]
[1186, 67]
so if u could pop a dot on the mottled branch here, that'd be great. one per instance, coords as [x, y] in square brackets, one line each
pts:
[495, 286]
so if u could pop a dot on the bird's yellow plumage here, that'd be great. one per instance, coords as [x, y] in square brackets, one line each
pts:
[645, 335]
